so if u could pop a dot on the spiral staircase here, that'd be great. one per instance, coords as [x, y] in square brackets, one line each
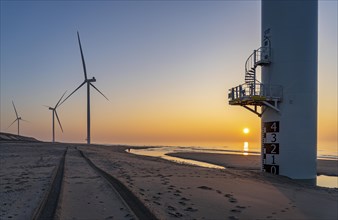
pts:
[253, 94]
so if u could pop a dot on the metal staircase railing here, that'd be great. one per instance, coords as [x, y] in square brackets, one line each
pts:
[253, 92]
[261, 56]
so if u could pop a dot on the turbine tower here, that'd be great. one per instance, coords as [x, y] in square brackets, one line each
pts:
[89, 83]
[54, 113]
[286, 97]
[17, 119]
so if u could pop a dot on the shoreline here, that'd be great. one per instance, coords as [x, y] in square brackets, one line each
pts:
[230, 159]
[249, 162]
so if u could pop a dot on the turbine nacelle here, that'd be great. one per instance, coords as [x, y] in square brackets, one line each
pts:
[91, 80]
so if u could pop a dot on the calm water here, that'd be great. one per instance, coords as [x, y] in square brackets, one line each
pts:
[327, 150]
[323, 181]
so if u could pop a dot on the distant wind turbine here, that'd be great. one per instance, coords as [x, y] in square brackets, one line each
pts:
[89, 83]
[17, 119]
[54, 113]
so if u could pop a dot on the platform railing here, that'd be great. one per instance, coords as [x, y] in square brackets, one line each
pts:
[248, 91]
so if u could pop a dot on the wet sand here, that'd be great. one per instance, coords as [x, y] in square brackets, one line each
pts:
[169, 190]
[249, 162]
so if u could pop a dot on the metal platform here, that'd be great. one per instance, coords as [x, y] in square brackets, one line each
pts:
[256, 95]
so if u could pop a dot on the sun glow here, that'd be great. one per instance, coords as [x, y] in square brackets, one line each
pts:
[246, 130]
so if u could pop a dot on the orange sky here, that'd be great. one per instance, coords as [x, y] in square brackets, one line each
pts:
[166, 76]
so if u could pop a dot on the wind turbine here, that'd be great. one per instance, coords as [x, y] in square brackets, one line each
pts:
[89, 83]
[54, 113]
[17, 119]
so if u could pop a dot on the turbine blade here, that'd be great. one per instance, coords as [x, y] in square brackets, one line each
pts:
[57, 104]
[83, 61]
[57, 117]
[15, 110]
[99, 91]
[72, 93]
[12, 123]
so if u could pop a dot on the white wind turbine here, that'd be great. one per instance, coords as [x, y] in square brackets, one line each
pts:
[17, 119]
[54, 113]
[89, 83]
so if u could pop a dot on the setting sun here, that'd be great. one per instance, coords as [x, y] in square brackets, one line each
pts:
[246, 130]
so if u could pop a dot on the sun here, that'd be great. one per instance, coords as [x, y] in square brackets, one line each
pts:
[246, 130]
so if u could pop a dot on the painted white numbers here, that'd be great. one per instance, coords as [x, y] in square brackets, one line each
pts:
[271, 137]
[270, 146]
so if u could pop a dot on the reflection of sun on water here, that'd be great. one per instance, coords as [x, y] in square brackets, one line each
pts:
[246, 148]
[246, 144]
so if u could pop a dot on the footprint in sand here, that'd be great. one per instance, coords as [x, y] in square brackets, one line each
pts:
[231, 198]
[184, 199]
[177, 214]
[240, 207]
[171, 208]
[205, 187]
[190, 209]
[157, 203]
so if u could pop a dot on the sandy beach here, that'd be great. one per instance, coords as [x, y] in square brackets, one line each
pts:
[169, 190]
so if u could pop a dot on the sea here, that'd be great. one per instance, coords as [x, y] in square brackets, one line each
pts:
[327, 151]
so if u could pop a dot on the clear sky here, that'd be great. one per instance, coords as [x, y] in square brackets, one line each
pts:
[165, 67]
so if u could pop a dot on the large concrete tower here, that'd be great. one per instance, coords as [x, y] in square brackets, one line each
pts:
[291, 27]
[287, 93]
